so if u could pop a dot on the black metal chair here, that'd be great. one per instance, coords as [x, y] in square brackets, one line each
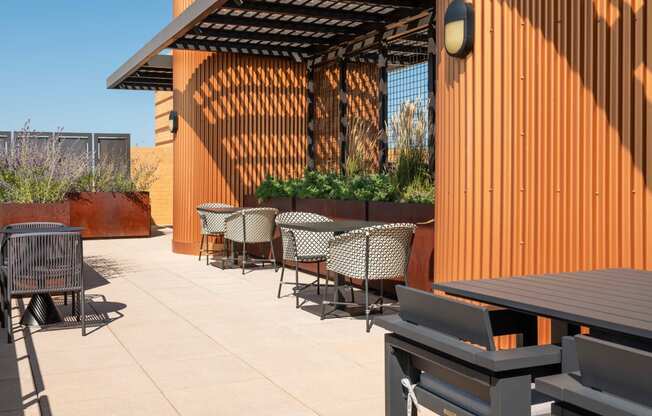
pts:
[26, 225]
[441, 354]
[613, 379]
[43, 264]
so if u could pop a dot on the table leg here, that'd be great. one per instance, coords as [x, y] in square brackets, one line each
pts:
[40, 311]
[560, 329]
[341, 281]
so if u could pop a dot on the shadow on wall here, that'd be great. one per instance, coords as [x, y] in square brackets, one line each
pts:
[249, 114]
[604, 44]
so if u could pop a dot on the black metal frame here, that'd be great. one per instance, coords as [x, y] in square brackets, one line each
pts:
[303, 31]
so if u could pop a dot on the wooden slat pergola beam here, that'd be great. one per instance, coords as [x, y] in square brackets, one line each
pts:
[261, 23]
[304, 11]
[245, 48]
[264, 36]
[398, 4]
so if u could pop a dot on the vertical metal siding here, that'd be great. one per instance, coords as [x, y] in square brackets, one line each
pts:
[543, 156]
[362, 81]
[240, 118]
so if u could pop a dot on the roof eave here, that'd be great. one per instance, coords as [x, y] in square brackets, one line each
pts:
[177, 28]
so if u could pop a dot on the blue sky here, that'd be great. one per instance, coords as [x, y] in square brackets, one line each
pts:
[55, 57]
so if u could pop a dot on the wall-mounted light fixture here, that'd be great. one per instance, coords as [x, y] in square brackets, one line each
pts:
[174, 122]
[458, 28]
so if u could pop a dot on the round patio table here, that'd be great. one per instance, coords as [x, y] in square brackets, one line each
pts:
[41, 309]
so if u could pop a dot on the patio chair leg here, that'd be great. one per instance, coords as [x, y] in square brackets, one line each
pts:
[280, 283]
[382, 299]
[318, 278]
[296, 282]
[207, 252]
[352, 292]
[73, 304]
[366, 304]
[78, 309]
[336, 282]
[323, 299]
[65, 298]
[82, 301]
[201, 246]
[271, 245]
[8, 317]
[244, 256]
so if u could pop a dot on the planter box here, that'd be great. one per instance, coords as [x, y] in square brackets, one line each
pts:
[101, 214]
[14, 213]
[109, 214]
[421, 267]
[348, 210]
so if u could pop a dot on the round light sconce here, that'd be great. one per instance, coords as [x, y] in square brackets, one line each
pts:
[174, 122]
[458, 29]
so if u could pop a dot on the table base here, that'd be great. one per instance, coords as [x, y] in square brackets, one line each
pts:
[40, 311]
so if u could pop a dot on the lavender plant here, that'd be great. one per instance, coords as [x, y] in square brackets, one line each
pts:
[37, 170]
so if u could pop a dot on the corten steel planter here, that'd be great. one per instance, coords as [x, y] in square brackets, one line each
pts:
[111, 214]
[349, 210]
[14, 213]
[421, 266]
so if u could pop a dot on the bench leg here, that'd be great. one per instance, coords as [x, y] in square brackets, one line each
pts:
[397, 367]
[510, 396]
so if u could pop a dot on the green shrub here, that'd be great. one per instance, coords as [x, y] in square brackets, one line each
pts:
[420, 191]
[330, 186]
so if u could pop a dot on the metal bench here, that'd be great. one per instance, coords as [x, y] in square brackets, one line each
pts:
[613, 380]
[441, 352]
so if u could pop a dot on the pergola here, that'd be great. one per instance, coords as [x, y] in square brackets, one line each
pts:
[389, 33]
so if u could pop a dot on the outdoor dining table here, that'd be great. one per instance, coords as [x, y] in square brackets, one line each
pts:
[336, 227]
[615, 304]
[41, 309]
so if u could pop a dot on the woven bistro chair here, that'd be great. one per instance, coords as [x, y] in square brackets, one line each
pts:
[374, 253]
[302, 247]
[249, 226]
[43, 263]
[212, 225]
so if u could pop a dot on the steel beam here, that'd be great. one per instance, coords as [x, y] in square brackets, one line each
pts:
[311, 117]
[343, 111]
[432, 94]
[382, 109]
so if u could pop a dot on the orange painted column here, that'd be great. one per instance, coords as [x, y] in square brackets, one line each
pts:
[241, 118]
[544, 159]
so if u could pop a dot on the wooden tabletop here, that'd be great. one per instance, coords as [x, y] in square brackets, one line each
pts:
[225, 210]
[614, 300]
[336, 226]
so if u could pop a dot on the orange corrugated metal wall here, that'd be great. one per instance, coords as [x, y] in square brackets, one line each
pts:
[240, 118]
[362, 83]
[544, 160]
